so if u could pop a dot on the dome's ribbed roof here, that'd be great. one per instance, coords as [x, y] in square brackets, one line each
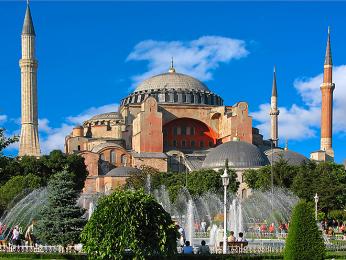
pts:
[107, 116]
[122, 171]
[171, 80]
[239, 154]
[292, 158]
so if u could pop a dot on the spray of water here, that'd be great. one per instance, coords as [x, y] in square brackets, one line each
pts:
[24, 211]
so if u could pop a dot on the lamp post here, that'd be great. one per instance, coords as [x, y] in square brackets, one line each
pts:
[225, 182]
[316, 201]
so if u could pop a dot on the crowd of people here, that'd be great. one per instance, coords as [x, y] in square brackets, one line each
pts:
[332, 227]
[16, 236]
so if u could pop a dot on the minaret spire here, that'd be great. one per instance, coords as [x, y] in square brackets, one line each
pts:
[328, 57]
[28, 25]
[29, 141]
[274, 112]
[327, 89]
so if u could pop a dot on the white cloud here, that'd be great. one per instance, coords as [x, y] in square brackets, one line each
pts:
[302, 122]
[198, 58]
[87, 114]
[3, 118]
[52, 138]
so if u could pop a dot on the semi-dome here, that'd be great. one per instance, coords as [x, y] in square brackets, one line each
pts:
[239, 154]
[292, 158]
[171, 80]
[173, 87]
[122, 171]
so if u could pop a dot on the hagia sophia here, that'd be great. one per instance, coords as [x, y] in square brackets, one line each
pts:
[172, 122]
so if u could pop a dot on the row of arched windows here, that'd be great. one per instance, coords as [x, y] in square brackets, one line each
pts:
[113, 158]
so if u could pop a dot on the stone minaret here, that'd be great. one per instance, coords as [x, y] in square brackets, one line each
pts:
[274, 113]
[29, 143]
[327, 89]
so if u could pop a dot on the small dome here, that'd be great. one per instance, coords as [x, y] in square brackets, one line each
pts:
[171, 80]
[239, 154]
[107, 116]
[122, 171]
[291, 157]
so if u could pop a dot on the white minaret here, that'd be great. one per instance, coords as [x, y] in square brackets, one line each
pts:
[274, 113]
[29, 144]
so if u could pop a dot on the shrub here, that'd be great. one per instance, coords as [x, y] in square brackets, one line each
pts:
[304, 239]
[129, 221]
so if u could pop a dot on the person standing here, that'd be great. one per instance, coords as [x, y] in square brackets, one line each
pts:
[16, 236]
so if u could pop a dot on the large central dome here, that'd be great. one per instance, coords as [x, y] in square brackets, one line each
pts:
[173, 87]
[172, 80]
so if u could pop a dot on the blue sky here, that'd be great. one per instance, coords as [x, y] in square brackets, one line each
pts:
[91, 54]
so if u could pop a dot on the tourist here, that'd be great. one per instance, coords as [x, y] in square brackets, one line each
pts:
[203, 226]
[187, 249]
[182, 238]
[203, 249]
[2, 231]
[272, 228]
[241, 237]
[29, 234]
[16, 236]
[263, 228]
[231, 237]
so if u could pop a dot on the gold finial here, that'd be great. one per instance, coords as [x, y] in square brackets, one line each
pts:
[328, 29]
[171, 69]
[27, 2]
[286, 145]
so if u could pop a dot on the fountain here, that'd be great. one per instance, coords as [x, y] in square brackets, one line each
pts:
[24, 211]
[244, 215]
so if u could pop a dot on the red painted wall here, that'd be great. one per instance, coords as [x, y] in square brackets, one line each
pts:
[200, 133]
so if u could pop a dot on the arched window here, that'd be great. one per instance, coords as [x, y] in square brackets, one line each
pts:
[112, 156]
[123, 160]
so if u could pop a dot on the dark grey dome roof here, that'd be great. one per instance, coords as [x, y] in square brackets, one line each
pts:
[292, 158]
[239, 154]
[107, 116]
[123, 171]
[172, 80]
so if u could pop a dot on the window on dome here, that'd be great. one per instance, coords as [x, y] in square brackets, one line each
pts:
[201, 144]
[174, 143]
[175, 131]
[178, 130]
[192, 98]
[188, 130]
[192, 130]
[184, 98]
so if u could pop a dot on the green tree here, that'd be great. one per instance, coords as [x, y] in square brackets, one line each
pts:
[137, 181]
[16, 188]
[304, 240]
[129, 220]
[61, 219]
[6, 141]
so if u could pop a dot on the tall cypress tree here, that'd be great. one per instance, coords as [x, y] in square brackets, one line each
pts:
[304, 240]
[61, 220]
